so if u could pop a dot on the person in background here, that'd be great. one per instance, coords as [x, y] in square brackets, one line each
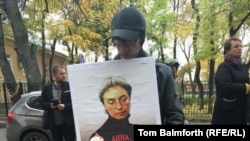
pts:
[115, 96]
[174, 64]
[128, 31]
[232, 86]
[16, 95]
[56, 102]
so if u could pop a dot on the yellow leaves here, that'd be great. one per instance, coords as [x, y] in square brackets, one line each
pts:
[183, 29]
[72, 38]
[91, 34]
[85, 39]
[68, 23]
[94, 35]
[77, 40]
[194, 109]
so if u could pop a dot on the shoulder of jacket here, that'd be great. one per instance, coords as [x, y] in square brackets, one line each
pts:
[223, 64]
[161, 64]
[65, 83]
[47, 85]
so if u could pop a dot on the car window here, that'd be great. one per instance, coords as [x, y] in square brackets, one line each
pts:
[34, 102]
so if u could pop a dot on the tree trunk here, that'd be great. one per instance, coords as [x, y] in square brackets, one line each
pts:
[24, 50]
[199, 83]
[211, 84]
[53, 47]
[4, 64]
[43, 50]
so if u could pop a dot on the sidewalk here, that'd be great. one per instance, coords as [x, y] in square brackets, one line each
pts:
[199, 122]
[2, 122]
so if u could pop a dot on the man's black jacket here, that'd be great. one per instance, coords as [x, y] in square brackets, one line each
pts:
[47, 96]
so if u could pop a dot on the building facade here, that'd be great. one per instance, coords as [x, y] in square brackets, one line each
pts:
[17, 68]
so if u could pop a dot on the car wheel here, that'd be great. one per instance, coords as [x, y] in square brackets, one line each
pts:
[35, 136]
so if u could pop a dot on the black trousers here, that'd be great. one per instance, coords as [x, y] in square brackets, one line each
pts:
[63, 133]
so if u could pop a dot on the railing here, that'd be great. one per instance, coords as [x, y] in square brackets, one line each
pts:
[198, 108]
[4, 109]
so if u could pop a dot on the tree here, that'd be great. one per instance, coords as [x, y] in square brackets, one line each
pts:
[4, 64]
[159, 21]
[25, 52]
[234, 21]
[195, 47]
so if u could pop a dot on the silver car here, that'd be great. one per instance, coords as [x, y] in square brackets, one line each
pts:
[24, 122]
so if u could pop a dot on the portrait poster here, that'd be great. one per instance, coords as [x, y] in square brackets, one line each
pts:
[86, 79]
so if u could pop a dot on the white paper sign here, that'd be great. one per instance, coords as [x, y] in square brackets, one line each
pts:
[85, 83]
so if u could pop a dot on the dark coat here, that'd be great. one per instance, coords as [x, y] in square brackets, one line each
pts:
[170, 107]
[230, 103]
[46, 98]
[115, 129]
[248, 98]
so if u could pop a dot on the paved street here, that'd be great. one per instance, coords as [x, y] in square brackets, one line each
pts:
[2, 134]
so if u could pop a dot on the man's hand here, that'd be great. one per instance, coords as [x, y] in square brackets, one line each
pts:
[60, 107]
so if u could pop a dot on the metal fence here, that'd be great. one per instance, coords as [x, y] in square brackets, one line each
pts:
[196, 106]
[194, 109]
[5, 98]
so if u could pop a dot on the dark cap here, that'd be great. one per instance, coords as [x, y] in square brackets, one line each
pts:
[128, 24]
[172, 62]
